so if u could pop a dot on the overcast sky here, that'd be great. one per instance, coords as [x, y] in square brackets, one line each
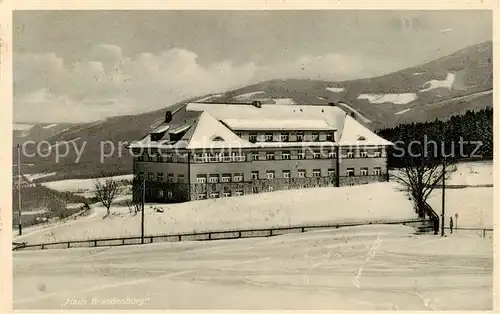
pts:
[88, 65]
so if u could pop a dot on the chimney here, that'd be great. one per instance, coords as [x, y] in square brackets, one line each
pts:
[331, 104]
[353, 115]
[257, 103]
[168, 116]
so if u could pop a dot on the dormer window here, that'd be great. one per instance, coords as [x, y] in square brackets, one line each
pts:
[218, 139]
[361, 138]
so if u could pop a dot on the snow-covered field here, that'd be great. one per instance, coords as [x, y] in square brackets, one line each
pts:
[81, 187]
[248, 95]
[398, 99]
[402, 111]
[36, 176]
[472, 173]
[358, 268]
[21, 126]
[335, 89]
[377, 201]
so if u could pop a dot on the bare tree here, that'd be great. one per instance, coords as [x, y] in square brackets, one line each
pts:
[106, 193]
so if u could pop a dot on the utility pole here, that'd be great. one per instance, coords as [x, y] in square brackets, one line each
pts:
[142, 209]
[19, 188]
[443, 195]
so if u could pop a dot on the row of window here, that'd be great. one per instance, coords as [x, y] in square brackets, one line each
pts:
[255, 156]
[255, 175]
[285, 137]
[218, 194]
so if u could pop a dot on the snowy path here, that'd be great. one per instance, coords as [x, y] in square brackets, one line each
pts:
[363, 268]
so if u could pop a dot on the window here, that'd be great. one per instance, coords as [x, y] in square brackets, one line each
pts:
[154, 158]
[300, 137]
[315, 137]
[150, 176]
[317, 155]
[270, 156]
[214, 178]
[363, 171]
[226, 194]
[238, 193]
[332, 155]
[170, 177]
[255, 175]
[269, 137]
[270, 188]
[225, 157]
[159, 176]
[286, 174]
[141, 175]
[255, 156]
[377, 171]
[301, 155]
[329, 137]
[140, 158]
[202, 196]
[377, 154]
[160, 193]
[301, 173]
[350, 172]
[238, 177]
[238, 134]
[169, 157]
[285, 155]
[252, 137]
[284, 137]
[201, 178]
[316, 173]
[170, 195]
[226, 178]
[180, 178]
[364, 154]
[213, 158]
[214, 195]
[270, 174]
[331, 172]
[350, 154]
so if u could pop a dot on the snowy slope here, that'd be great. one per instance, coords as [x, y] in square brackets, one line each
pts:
[377, 201]
[359, 268]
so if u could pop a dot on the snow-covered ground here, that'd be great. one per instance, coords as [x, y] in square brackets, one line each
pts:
[472, 173]
[446, 83]
[81, 187]
[358, 268]
[377, 201]
[36, 176]
[22, 126]
[335, 89]
[398, 99]
[284, 101]
[49, 126]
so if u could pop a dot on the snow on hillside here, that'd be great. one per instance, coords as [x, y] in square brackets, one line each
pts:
[49, 126]
[36, 176]
[474, 206]
[472, 173]
[248, 95]
[284, 101]
[402, 111]
[398, 99]
[22, 126]
[377, 201]
[446, 83]
[356, 268]
[81, 187]
[335, 89]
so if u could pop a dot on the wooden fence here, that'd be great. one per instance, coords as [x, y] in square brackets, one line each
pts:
[420, 225]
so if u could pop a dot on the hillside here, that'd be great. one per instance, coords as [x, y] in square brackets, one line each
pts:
[438, 89]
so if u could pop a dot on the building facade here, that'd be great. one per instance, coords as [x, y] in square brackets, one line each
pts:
[221, 150]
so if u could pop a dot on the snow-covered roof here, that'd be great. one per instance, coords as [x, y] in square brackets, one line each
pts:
[162, 128]
[210, 133]
[276, 124]
[356, 134]
[273, 116]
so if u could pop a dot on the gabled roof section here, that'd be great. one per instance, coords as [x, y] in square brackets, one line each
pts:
[354, 133]
[208, 129]
[273, 117]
